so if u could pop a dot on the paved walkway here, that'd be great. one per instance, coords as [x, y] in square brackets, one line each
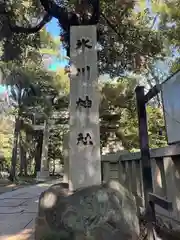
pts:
[18, 210]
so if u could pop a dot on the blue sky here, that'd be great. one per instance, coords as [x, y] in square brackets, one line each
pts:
[53, 28]
[2, 89]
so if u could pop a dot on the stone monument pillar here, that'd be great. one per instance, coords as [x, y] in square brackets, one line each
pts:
[84, 137]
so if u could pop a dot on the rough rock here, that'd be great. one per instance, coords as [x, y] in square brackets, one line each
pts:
[107, 211]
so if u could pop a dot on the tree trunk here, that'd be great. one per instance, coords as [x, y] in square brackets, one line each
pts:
[22, 152]
[54, 167]
[21, 155]
[23, 160]
[14, 150]
[38, 150]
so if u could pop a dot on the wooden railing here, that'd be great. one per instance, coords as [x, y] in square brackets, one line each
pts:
[165, 165]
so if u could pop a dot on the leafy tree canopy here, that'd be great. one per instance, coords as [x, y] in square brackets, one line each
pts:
[129, 49]
[168, 16]
[118, 116]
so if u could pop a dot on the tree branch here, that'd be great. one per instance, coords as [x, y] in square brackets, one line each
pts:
[66, 18]
[154, 20]
[29, 30]
[53, 9]
[19, 29]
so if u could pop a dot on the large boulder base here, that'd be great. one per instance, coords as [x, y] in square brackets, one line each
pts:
[104, 212]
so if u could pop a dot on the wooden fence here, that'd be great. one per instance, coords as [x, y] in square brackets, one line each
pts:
[165, 166]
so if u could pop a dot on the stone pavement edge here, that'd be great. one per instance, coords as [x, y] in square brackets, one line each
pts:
[18, 210]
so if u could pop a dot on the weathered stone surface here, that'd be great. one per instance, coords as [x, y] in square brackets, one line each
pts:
[84, 134]
[106, 211]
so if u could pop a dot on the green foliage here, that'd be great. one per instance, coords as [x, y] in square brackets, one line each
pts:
[157, 137]
[175, 66]
[169, 19]
[129, 50]
[119, 116]
[33, 89]
[6, 138]
[135, 45]
[117, 100]
[169, 27]
[17, 46]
